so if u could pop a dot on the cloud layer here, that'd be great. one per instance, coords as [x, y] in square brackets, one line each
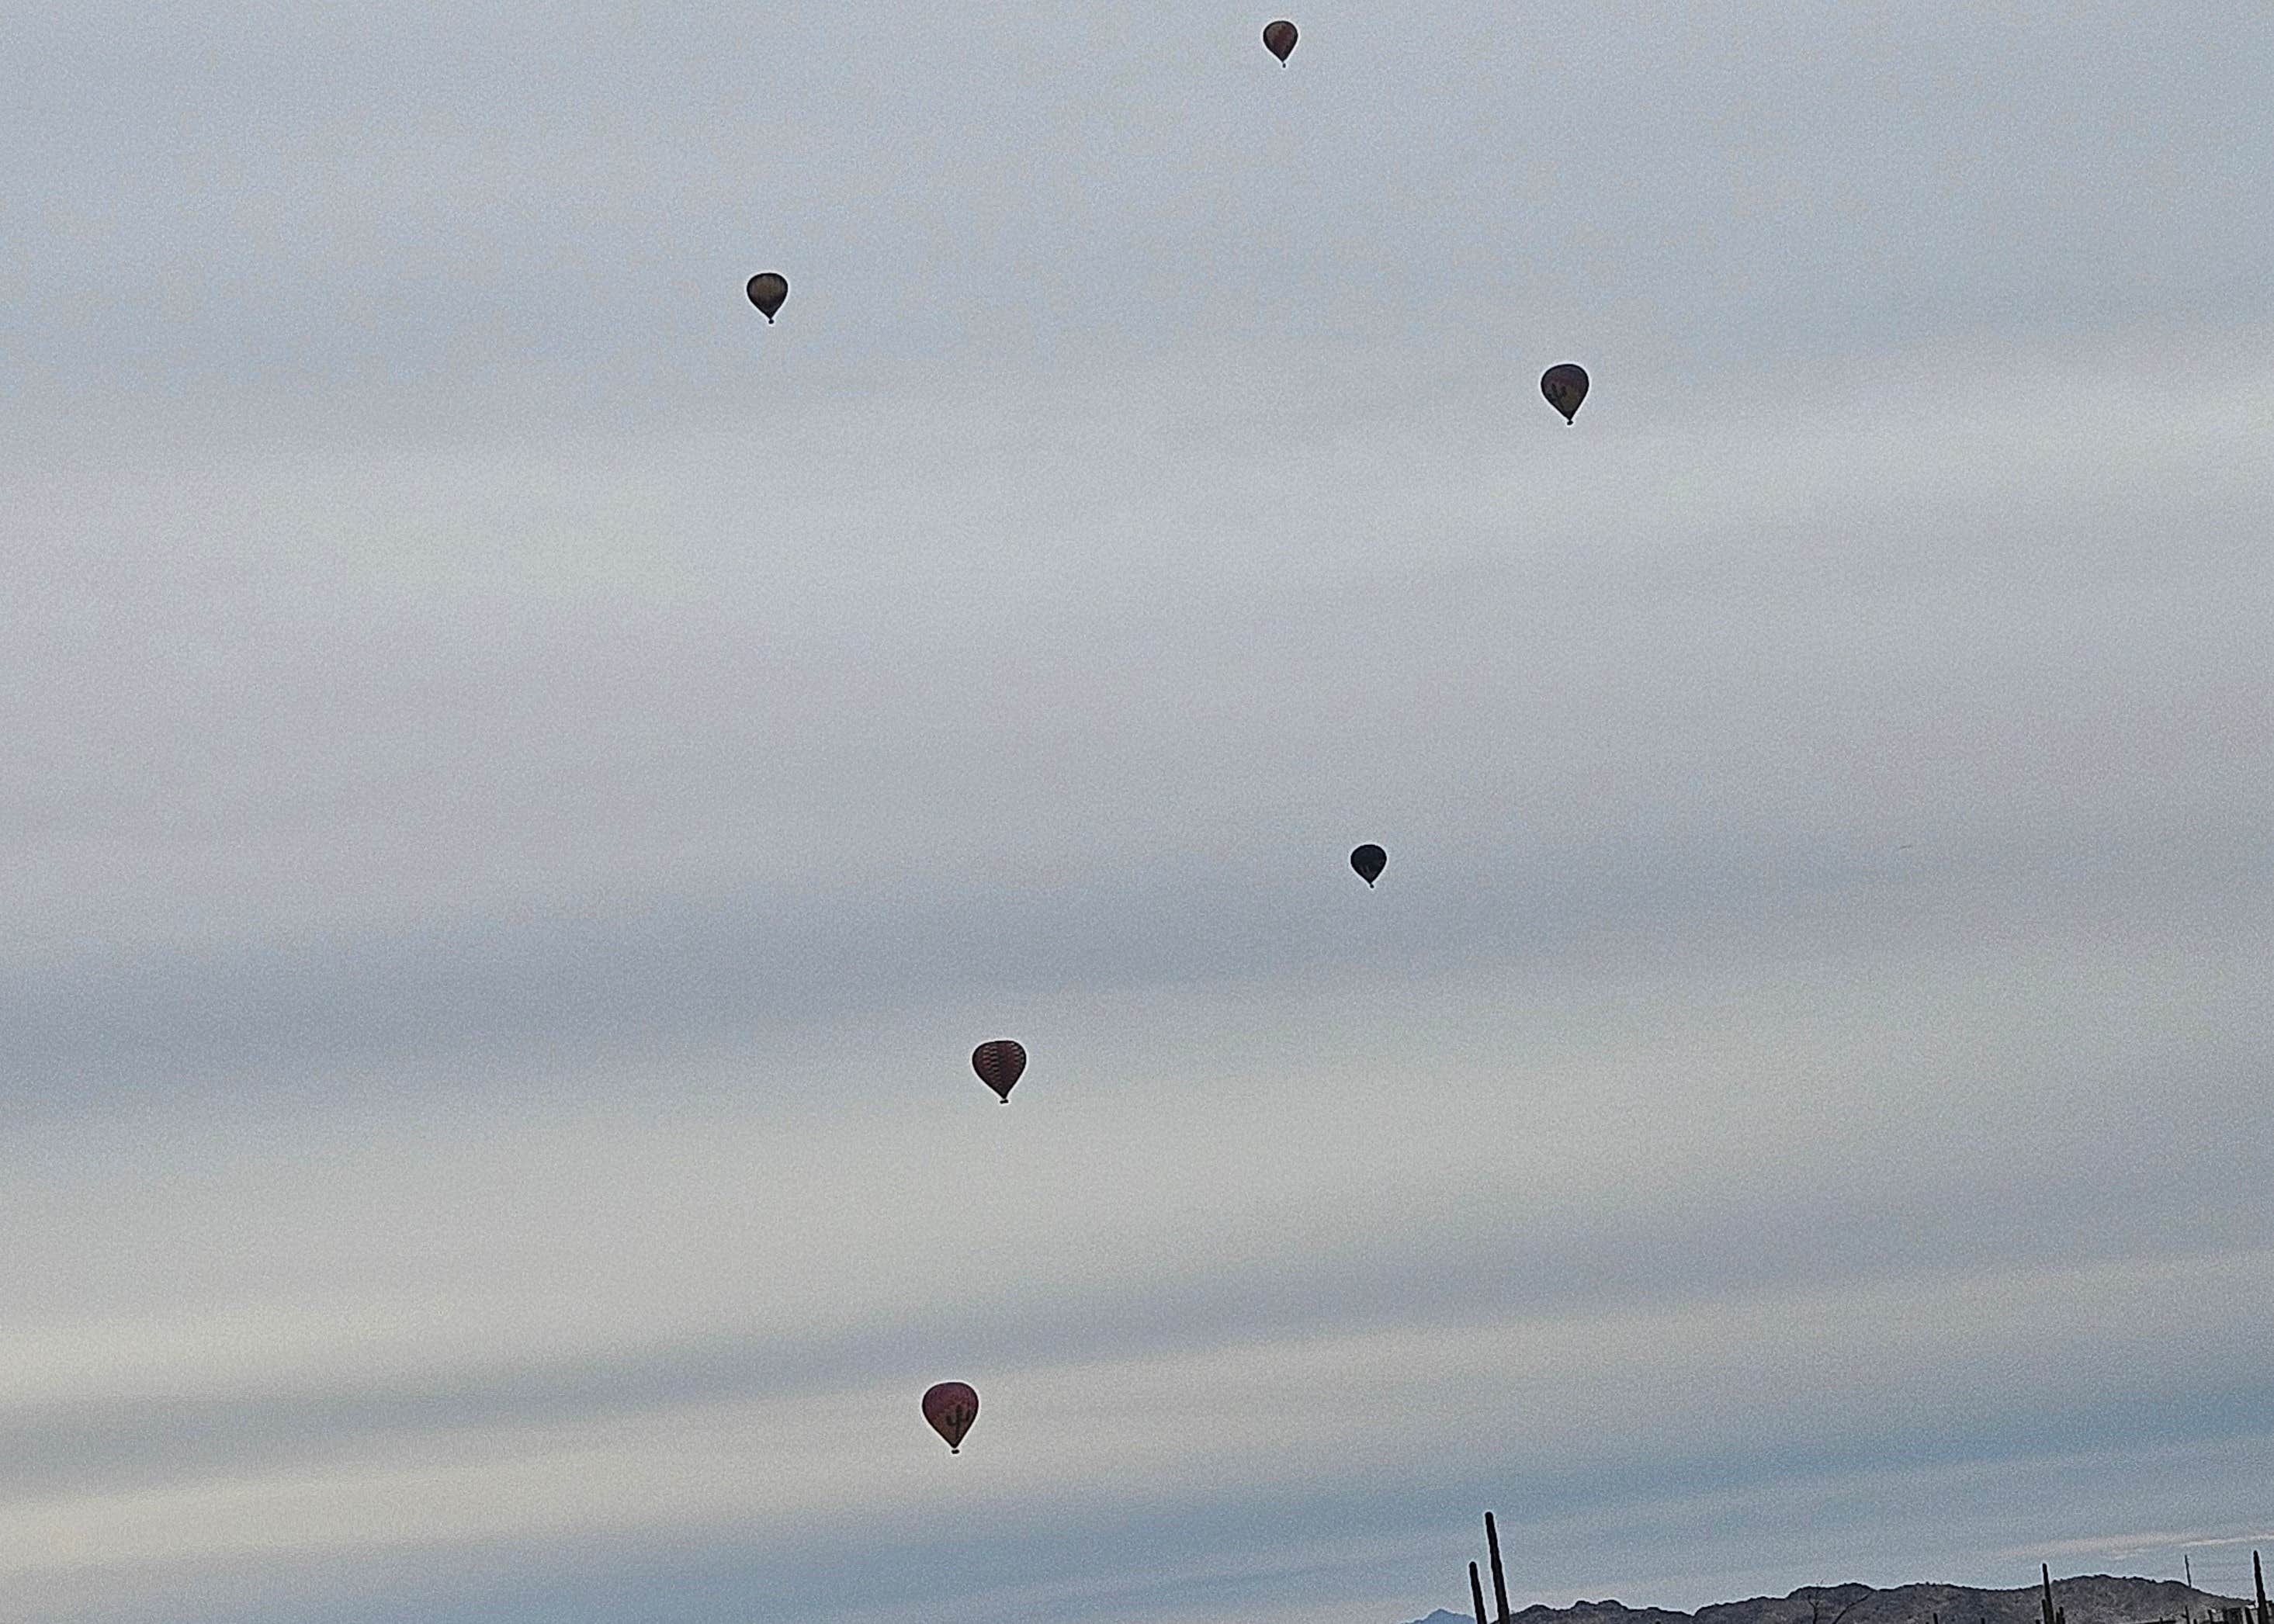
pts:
[523, 786]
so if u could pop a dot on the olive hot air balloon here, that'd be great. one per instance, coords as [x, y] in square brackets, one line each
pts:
[1370, 860]
[768, 291]
[998, 1063]
[1565, 387]
[1279, 40]
[952, 1408]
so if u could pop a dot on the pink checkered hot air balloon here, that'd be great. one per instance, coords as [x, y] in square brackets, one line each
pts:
[998, 1064]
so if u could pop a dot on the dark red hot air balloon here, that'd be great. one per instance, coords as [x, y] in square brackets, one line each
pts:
[952, 1408]
[1279, 40]
[998, 1064]
[1370, 860]
[1565, 387]
[768, 291]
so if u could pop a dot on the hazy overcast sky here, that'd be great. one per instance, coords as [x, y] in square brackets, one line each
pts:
[522, 785]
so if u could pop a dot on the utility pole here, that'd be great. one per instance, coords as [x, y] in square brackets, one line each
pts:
[2258, 1577]
[1500, 1585]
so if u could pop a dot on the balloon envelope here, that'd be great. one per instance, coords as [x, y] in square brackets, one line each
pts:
[998, 1064]
[768, 290]
[1279, 38]
[1370, 860]
[951, 1407]
[1565, 387]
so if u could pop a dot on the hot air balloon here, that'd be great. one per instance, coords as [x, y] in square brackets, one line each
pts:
[1565, 387]
[768, 290]
[1279, 38]
[952, 1408]
[1370, 860]
[998, 1064]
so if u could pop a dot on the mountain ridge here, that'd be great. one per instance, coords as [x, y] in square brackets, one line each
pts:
[2085, 1599]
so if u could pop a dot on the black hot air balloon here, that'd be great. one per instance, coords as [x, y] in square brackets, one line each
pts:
[998, 1063]
[1565, 387]
[768, 290]
[1370, 860]
[1279, 40]
[951, 1407]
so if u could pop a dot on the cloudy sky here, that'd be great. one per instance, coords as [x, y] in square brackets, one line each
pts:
[521, 786]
